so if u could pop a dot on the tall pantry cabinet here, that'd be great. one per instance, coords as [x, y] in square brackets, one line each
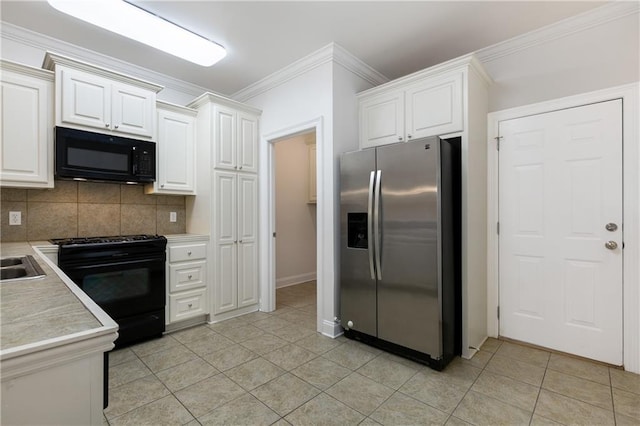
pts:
[227, 203]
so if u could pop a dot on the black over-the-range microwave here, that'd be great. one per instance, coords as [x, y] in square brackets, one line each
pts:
[83, 155]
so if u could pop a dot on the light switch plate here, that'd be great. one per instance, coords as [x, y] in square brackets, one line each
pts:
[15, 218]
[173, 217]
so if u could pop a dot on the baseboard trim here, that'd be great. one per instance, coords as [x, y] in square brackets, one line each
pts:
[331, 329]
[295, 279]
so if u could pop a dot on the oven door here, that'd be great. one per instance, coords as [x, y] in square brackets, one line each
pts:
[123, 288]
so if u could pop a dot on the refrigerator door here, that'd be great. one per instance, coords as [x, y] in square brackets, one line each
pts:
[357, 276]
[408, 291]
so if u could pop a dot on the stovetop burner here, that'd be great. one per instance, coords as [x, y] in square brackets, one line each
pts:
[103, 240]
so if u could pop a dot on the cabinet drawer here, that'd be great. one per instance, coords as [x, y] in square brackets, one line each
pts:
[187, 252]
[187, 304]
[187, 275]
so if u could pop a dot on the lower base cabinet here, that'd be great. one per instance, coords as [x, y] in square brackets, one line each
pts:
[187, 292]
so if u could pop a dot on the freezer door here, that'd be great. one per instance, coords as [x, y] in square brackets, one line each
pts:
[357, 278]
[408, 291]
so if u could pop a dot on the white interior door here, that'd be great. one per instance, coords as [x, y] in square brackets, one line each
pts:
[560, 207]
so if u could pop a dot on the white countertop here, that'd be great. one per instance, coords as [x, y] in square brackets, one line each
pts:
[47, 312]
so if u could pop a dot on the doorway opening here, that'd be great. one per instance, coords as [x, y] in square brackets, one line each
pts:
[324, 272]
[296, 229]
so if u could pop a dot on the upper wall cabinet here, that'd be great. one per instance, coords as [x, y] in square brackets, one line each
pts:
[237, 136]
[94, 99]
[26, 126]
[176, 151]
[424, 105]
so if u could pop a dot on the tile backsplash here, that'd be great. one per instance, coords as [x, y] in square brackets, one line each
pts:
[88, 209]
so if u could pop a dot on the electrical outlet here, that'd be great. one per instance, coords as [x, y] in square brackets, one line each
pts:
[173, 217]
[15, 218]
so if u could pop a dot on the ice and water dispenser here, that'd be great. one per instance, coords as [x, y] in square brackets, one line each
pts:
[357, 230]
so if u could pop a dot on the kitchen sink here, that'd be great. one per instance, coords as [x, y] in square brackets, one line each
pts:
[19, 267]
[10, 261]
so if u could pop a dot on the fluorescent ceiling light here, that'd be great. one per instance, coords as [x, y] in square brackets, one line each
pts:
[135, 23]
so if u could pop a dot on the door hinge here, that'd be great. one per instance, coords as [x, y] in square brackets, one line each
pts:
[498, 228]
[498, 312]
[497, 138]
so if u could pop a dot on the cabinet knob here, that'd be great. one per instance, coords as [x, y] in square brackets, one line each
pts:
[162, 185]
[399, 138]
[240, 241]
[408, 136]
[240, 167]
[190, 305]
[116, 126]
[106, 124]
[190, 276]
[235, 242]
[188, 253]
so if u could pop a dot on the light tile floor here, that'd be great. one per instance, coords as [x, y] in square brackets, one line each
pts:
[273, 368]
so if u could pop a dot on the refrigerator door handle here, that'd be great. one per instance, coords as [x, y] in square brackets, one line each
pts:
[370, 244]
[376, 220]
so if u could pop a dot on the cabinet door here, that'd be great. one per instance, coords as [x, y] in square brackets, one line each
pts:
[247, 240]
[132, 110]
[225, 149]
[226, 262]
[382, 120]
[85, 99]
[176, 152]
[247, 143]
[434, 107]
[26, 131]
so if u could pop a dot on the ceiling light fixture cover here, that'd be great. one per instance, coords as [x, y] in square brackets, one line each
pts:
[130, 21]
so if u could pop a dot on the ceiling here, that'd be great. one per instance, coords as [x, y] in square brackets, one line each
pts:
[261, 37]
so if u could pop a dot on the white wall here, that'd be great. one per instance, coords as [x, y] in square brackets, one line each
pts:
[317, 94]
[305, 98]
[295, 217]
[602, 55]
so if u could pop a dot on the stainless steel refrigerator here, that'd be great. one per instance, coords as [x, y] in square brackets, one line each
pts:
[400, 231]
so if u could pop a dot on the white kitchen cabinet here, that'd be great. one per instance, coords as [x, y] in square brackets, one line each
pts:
[95, 99]
[424, 106]
[175, 171]
[237, 141]
[187, 285]
[26, 126]
[382, 119]
[227, 167]
[235, 240]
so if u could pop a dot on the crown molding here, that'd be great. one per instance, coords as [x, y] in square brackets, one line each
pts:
[40, 41]
[592, 18]
[52, 59]
[209, 97]
[329, 53]
[6, 65]
[459, 64]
